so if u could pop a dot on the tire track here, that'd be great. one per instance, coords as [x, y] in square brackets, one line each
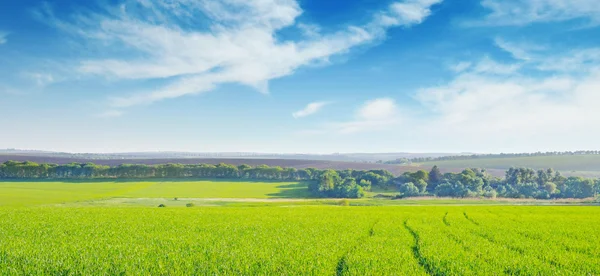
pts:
[421, 260]
[445, 220]
[342, 264]
[470, 219]
[520, 251]
[565, 246]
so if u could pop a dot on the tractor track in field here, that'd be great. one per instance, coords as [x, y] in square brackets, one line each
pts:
[517, 250]
[470, 219]
[566, 247]
[342, 264]
[416, 249]
[520, 251]
[445, 220]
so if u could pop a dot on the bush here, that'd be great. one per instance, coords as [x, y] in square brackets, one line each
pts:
[365, 184]
[490, 193]
[190, 205]
[162, 205]
[409, 189]
[344, 202]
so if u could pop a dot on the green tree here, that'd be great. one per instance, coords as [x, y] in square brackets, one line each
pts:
[409, 189]
[435, 177]
[421, 185]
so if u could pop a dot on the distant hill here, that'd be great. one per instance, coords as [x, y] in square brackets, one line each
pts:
[293, 163]
[587, 165]
[583, 165]
[348, 157]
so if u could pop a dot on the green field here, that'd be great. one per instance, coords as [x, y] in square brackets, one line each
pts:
[269, 228]
[315, 240]
[21, 193]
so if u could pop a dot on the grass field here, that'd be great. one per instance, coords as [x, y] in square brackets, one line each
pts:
[21, 193]
[315, 240]
[267, 228]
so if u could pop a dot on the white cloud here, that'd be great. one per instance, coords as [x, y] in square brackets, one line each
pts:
[378, 109]
[523, 12]
[164, 41]
[490, 66]
[577, 60]
[521, 51]
[310, 30]
[310, 109]
[406, 13]
[40, 79]
[517, 111]
[373, 115]
[461, 66]
[485, 65]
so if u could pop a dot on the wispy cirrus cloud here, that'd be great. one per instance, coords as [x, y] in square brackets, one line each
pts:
[310, 109]
[164, 40]
[523, 12]
[373, 115]
[519, 50]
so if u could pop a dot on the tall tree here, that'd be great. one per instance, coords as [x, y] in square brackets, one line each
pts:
[435, 177]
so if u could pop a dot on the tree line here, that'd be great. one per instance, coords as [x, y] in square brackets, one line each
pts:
[32, 170]
[404, 161]
[517, 182]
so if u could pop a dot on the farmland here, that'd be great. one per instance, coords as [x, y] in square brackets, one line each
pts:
[24, 193]
[317, 240]
[570, 165]
[102, 227]
[579, 165]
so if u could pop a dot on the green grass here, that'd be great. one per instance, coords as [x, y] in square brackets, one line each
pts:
[306, 240]
[585, 163]
[22, 193]
[222, 189]
[262, 228]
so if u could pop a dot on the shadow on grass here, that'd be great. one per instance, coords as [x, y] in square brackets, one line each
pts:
[294, 190]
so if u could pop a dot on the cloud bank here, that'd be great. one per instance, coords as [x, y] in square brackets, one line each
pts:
[236, 42]
[544, 96]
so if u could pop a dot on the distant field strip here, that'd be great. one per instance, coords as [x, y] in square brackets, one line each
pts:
[308, 240]
[20, 193]
[566, 163]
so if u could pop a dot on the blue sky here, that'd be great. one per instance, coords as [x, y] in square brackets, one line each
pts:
[300, 75]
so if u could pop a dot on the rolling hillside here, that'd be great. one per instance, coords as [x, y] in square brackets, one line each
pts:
[584, 165]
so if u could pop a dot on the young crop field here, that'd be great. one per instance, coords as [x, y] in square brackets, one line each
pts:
[22, 193]
[306, 240]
